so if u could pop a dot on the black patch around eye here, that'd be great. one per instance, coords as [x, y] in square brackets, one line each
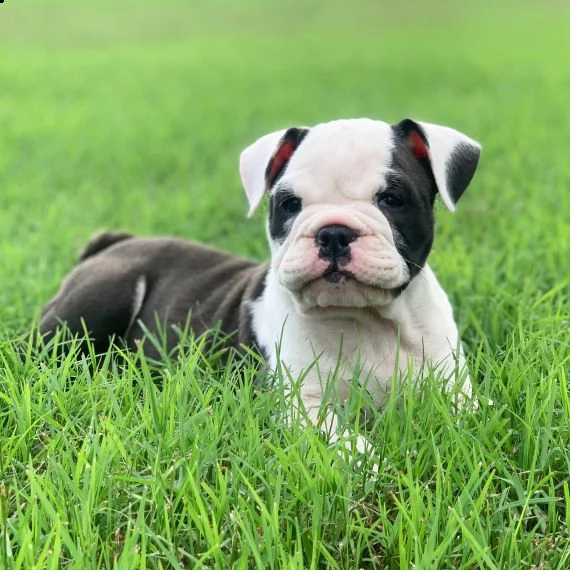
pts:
[284, 206]
[390, 200]
[395, 195]
[408, 210]
[291, 205]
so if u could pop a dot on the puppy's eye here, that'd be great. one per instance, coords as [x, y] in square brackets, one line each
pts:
[291, 205]
[390, 200]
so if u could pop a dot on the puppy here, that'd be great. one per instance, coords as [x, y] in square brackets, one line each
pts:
[350, 228]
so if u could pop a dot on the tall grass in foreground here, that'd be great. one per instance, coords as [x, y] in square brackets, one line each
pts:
[117, 463]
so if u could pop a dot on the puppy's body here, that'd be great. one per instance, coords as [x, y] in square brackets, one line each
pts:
[350, 228]
[124, 283]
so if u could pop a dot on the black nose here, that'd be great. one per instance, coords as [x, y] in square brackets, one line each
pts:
[334, 241]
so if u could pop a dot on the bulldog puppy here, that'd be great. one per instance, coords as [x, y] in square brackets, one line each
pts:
[350, 227]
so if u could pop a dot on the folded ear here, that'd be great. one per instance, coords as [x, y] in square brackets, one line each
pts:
[263, 163]
[451, 156]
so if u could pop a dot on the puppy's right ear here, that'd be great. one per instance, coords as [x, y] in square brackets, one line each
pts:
[263, 163]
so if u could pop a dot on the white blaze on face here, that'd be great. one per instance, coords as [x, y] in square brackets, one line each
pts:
[337, 171]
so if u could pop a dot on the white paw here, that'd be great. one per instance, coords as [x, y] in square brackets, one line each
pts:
[360, 451]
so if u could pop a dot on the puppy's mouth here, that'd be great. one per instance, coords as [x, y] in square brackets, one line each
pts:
[333, 274]
[336, 278]
[338, 292]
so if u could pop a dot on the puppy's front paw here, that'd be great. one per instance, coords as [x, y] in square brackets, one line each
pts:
[360, 451]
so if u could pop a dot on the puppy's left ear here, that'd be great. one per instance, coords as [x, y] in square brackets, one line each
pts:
[451, 156]
[262, 163]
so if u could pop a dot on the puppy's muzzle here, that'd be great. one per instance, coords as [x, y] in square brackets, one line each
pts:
[334, 243]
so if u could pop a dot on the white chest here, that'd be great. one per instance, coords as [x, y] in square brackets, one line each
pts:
[370, 352]
[418, 326]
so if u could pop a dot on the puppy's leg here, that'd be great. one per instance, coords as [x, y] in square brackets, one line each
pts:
[455, 373]
[95, 299]
[312, 400]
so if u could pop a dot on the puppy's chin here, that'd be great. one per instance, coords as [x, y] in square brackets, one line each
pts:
[340, 294]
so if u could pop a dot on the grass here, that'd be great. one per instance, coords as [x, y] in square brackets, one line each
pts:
[132, 116]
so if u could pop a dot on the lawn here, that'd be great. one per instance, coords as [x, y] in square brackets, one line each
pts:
[132, 115]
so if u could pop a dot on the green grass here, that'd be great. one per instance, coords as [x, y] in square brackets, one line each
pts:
[131, 115]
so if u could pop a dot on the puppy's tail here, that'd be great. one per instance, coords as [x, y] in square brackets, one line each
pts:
[102, 241]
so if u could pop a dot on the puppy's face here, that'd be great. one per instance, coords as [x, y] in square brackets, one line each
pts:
[351, 205]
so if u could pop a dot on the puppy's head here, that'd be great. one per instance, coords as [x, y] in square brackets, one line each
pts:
[351, 204]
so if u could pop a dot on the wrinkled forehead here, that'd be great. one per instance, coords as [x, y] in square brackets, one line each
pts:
[351, 157]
